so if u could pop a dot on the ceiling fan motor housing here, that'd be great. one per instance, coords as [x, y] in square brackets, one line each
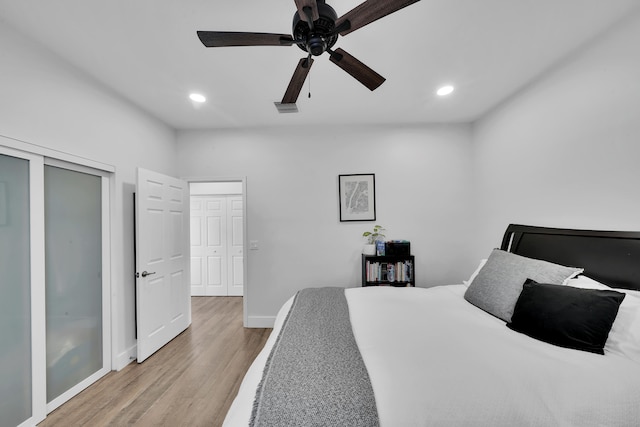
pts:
[317, 40]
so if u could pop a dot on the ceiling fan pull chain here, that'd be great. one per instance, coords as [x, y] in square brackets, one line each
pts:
[309, 77]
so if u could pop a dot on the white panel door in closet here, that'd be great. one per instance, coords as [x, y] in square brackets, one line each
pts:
[163, 303]
[235, 224]
[198, 258]
[217, 245]
[208, 246]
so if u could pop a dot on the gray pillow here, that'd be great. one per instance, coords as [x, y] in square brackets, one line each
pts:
[497, 286]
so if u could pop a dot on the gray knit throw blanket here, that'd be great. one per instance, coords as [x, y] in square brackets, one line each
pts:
[315, 375]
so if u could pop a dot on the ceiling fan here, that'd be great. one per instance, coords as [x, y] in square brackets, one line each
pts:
[316, 28]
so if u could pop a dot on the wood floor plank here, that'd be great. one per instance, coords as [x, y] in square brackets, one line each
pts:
[191, 381]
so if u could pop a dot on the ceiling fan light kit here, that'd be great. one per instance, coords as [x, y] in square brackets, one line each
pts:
[316, 27]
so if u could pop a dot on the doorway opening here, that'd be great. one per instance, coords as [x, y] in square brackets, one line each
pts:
[217, 230]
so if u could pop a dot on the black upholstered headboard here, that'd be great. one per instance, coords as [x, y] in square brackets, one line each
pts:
[610, 257]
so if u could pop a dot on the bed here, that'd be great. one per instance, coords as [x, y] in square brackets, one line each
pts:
[518, 344]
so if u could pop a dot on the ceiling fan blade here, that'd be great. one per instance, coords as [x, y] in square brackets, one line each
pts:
[230, 38]
[357, 69]
[310, 12]
[369, 11]
[297, 81]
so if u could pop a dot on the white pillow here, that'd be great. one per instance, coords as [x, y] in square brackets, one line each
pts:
[585, 282]
[624, 337]
[475, 273]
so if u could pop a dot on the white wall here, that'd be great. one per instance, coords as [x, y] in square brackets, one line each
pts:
[46, 102]
[422, 188]
[217, 188]
[566, 151]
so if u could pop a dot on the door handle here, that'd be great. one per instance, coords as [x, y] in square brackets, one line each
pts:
[146, 273]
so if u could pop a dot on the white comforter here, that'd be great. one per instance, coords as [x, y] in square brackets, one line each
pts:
[436, 360]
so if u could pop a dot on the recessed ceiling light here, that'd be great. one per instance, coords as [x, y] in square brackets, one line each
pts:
[445, 90]
[196, 97]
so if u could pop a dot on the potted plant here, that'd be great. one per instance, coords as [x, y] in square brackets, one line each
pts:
[372, 237]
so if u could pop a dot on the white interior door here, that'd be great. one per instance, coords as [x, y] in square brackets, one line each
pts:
[77, 264]
[163, 305]
[198, 254]
[22, 306]
[208, 246]
[235, 246]
[215, 246]
[217, 262]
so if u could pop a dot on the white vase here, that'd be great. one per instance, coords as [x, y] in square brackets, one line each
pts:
[369, 249]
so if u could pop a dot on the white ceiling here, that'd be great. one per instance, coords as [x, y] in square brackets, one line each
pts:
[147, 51]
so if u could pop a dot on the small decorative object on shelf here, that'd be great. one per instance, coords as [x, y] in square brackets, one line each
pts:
[373, 237]
[388, 270]
[397, 247]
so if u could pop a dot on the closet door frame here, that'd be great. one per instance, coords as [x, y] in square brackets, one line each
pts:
[245, 242]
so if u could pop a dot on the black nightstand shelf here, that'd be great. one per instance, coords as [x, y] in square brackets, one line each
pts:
[375, 270]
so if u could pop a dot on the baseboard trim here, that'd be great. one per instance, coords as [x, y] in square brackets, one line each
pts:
[260, 321]
[126, 357]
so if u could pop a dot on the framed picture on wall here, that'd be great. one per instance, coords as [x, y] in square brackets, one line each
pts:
[357, 193]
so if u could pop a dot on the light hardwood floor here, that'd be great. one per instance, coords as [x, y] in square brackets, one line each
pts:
[189, 382]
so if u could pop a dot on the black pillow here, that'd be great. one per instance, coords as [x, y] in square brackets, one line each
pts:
[566, 316]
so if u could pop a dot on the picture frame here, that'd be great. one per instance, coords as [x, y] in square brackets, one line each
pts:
[357, 196]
